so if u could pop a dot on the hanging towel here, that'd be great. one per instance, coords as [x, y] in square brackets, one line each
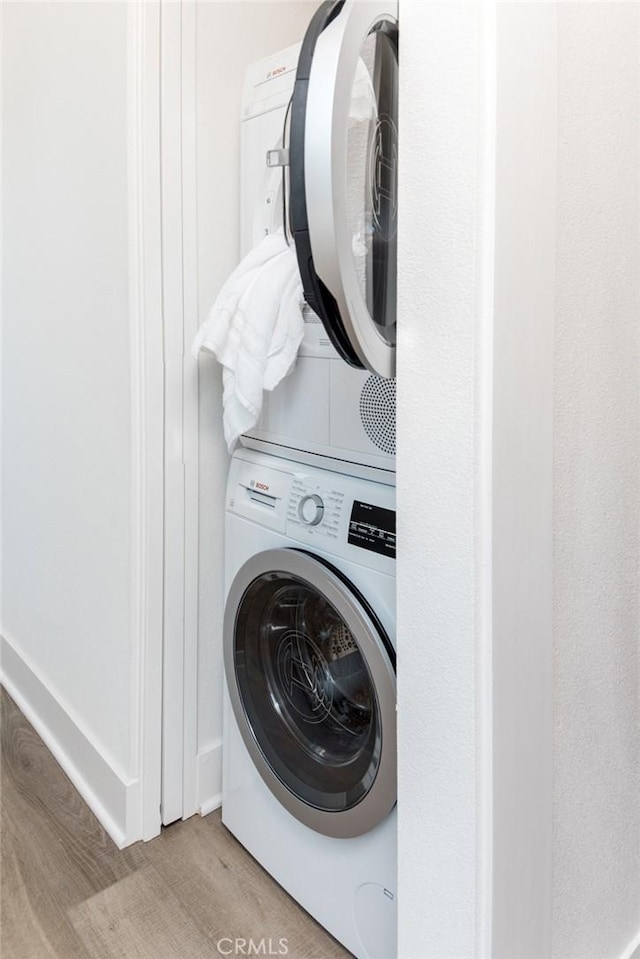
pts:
[254, 328]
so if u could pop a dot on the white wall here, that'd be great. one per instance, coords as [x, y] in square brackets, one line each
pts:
[68, 485]
[522, 478]
[596, 879]
[444, 330]
[230, 36]
[530, 847]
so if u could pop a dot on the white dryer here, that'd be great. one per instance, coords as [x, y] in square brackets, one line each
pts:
[337, 408]
[309, 778]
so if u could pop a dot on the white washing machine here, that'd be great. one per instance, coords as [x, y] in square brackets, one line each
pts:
[315, 117]
[309, 776]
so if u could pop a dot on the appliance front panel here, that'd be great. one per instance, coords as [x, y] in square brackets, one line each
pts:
[315, 509]
[325, 407]
[343, 869]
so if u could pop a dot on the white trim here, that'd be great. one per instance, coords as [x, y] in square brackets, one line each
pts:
[211, 805]
[484, 490]
[147, 418]
[632, 951]
[180, 314]
[106, 789]
[444, 480]
[1, 306]
[172, 303]
[209, 783]
[190, 411]
[522, 552]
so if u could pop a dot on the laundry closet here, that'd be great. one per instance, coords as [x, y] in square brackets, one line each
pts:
[309, 729]
[516, 458]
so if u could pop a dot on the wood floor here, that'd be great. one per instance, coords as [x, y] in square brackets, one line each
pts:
[68, 892]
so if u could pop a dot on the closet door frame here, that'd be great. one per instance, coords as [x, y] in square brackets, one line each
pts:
[180, 317]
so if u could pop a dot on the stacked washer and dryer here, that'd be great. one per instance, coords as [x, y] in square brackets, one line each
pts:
[309, 777]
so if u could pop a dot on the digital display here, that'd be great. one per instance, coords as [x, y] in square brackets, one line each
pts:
[373, 528]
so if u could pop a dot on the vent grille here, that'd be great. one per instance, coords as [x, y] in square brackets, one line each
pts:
[378, 412]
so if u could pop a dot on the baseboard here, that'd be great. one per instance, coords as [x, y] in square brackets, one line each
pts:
[209, 778]
[633, 949]
[112, 798]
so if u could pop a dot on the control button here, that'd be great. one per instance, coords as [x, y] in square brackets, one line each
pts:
[311, 509]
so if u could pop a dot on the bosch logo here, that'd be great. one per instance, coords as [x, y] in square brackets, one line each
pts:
[276, 72]
[264, 486]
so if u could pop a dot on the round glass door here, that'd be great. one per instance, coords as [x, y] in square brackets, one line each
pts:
[344, 176]
[372, 175]
[312, 683]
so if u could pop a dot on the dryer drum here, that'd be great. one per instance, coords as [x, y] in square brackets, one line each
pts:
[312, 683]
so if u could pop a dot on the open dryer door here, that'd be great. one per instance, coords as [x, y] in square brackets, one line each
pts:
[343, 176]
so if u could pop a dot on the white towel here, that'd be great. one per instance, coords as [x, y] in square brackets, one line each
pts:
[254, 328]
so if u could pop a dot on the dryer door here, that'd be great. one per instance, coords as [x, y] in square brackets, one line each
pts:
[311, 677]
[343, 176]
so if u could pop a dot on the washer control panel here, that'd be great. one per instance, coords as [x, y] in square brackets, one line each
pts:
[373, 527]
[316, 509]
[311, 509]
[316, 506]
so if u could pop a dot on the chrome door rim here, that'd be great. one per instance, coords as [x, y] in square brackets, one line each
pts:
[335, 58]
[381, 796]
[319, 298]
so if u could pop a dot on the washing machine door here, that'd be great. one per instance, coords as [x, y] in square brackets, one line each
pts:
[311, 677]
[343, 176]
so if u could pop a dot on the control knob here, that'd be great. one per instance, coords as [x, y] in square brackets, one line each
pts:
[311, 509]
